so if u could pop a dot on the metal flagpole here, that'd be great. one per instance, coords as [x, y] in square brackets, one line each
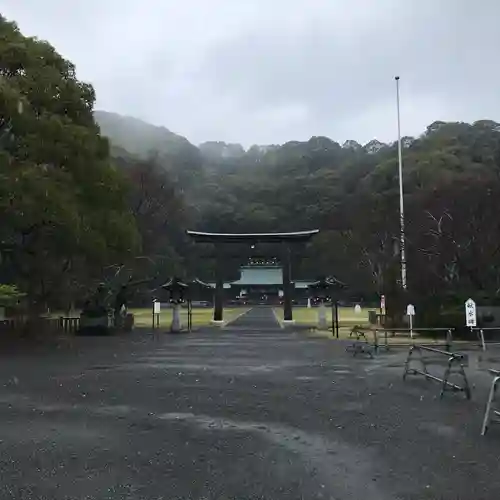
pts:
[401, 202]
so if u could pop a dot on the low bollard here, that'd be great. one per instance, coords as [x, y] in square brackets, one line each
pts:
[363, 345]
[448, 334]
[68, 324]
[481, 338]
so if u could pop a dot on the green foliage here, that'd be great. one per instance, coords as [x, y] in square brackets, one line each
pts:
[351, 192]
[62, 203]
[158, 208]
[133, 137]
[67, 211]
[9, 295]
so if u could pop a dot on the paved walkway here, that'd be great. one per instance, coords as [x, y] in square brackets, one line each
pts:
[257, 320]
[220, 415]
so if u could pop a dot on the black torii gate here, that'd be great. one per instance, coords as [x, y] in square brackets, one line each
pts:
[284, 239]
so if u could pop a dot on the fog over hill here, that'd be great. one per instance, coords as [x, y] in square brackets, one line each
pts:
[141, 138]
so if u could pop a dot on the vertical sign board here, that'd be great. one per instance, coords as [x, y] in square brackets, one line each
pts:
[382, 304]
[470, 313]
[156, 307]
[410, 312]
[156, 313]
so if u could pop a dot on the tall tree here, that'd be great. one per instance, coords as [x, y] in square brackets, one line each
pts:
[62, 204]
[158, 208]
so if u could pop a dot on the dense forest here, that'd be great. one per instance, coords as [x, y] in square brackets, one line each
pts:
[83, 192]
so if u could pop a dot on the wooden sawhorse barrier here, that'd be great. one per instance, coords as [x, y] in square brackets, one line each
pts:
[490, 410]
[361, 344]
[454, 366]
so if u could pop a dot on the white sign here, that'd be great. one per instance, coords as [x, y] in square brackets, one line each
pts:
[470, 313]
[357, 309]
[382, 303]
[280, 293]
[156, 307]
[410, 310]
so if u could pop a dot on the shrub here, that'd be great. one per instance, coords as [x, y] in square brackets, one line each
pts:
[9, 295]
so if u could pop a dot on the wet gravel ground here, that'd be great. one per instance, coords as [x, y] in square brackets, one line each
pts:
[229, 415]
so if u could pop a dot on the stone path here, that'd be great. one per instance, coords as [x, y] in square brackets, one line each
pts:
[256, 320]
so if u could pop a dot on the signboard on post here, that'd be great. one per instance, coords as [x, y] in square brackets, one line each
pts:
[470, 313]
[410, 312]
[156, 313]
[382, 304]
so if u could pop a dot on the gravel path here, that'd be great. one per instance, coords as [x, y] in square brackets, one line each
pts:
[235, 415]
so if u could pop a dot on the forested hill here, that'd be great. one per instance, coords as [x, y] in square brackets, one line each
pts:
[350, 191]
[143, 139]
[137, 136]
[73, 211]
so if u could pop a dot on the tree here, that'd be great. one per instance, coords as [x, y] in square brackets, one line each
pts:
[351, 193]
[9, 295]
[160, 215]
[62, 210]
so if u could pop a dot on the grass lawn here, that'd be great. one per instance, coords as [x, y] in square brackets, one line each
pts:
[201, 316]
[347, 319]
[309, 317]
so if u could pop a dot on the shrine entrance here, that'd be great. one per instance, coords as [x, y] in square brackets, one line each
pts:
[284, 242]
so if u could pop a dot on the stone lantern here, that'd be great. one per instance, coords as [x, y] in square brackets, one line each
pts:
[324, 289]
[177, 291]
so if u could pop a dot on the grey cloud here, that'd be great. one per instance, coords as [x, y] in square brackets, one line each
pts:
[266, 72]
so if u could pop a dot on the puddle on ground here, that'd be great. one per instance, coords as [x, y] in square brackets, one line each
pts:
[56, 434]
[342, 468]
[353, 406]
[221, 367]
[441, 430]
[117, 410]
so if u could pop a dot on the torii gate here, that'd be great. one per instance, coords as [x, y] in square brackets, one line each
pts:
[284, 239]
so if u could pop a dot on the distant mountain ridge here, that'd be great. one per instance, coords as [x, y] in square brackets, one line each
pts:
[143, 139]
[137, 136]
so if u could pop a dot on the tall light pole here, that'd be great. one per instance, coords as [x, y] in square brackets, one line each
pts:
[402, 249]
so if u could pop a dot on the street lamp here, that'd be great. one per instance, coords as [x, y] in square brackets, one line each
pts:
[402, 250]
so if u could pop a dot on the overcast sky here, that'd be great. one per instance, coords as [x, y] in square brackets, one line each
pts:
[268, 71]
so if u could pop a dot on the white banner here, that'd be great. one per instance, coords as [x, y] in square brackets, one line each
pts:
[470, 313]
